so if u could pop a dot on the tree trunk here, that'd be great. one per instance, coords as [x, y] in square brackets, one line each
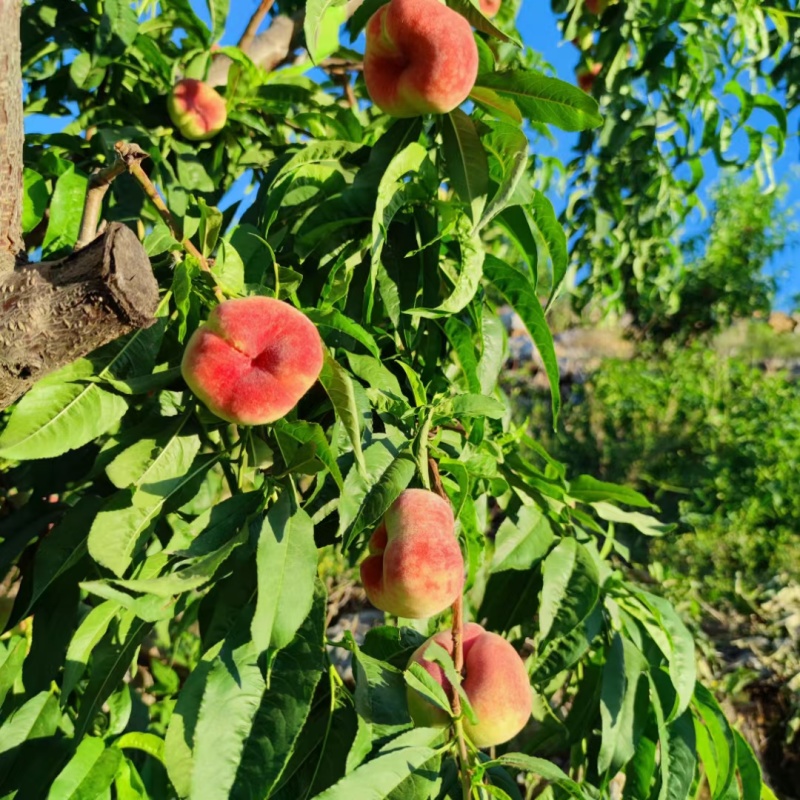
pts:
[53, 313]
[12, 249]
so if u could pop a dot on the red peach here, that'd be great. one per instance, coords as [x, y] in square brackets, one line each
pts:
[596, 6]
[495, 681]
[197, 109]
[490, 7]
[253, 360]
[415, 568]
[420, 58]
[587, 75]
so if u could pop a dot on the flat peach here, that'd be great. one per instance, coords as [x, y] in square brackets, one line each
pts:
[415, 568]
[253, 360]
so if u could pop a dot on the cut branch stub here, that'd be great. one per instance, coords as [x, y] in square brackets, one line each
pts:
[54, 313]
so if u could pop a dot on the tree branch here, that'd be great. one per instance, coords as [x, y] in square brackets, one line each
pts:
[12, 246]
[271, 48]
[54, 313]
[255, 23]
[99, 184]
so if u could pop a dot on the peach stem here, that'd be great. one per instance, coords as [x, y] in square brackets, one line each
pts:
[458, 653]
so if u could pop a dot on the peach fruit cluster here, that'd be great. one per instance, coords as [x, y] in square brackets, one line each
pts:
[415, 569]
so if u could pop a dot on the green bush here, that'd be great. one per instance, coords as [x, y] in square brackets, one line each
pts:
[713, 440]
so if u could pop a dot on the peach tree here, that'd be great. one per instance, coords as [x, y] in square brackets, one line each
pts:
[253, 383]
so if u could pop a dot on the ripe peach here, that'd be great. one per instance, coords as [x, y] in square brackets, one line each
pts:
[495, 681]
[415, 567]
[253, 359]
[490, 7]
[420, 58]
[197, 109]
[596, 6]
[587, 75]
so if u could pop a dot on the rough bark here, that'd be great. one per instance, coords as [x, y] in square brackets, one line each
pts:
[12, 248]
[53, 313]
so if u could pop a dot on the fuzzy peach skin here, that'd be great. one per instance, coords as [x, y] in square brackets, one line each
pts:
[253, 359]
[420, 58]
[415, 568]
[197, 109]
[490, 7]
[495, 681]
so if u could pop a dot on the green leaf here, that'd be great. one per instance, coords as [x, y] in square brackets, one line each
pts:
[66, 212]
[110, 661]
[460, 337]
[719, 761]
[395, 762]
[35, 719]
[748, 768]
[542, 99]
[521, 544]
[553, 239]
[312, 433]
[122, 526]
[590, 490]
[570, 589]
[321, 26]
[467, 165]
[475, 17]
[644, 523]
[146, 742]
[332, 319]
[287, 566]
[420, 680]
[339, 387]
[92, 629]
[34, 199]
[53, 418]
[501, 107]
[517, 289]
[150, 465]
[468, 279]
[218, 11]
[364, 501]
[89, 773]
[675, 642]
[393, 193]
[469, 405]
[13, 654]
[246, 727]
[539, 767]
[618, 704]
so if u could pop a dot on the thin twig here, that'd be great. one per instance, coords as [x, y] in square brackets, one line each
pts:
[458, 653]
[255, 23]
[135, 169]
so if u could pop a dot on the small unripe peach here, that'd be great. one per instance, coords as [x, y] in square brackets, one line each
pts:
[415, 568]
[420, 58]
[495, 682]
[253, 360]
[197, 110]
[490, 7]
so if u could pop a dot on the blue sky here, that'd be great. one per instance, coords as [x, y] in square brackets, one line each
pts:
[537, 24]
